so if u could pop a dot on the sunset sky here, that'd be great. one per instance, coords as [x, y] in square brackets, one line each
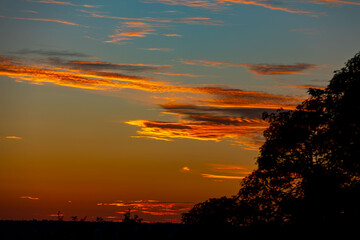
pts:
[152, 105]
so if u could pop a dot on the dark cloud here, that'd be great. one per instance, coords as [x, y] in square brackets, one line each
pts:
[97, 65]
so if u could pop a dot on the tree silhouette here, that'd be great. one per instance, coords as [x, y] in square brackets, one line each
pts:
[309, 166]
[213, 211]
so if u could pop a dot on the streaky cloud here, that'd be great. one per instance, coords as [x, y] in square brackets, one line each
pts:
[65, 3]
[50, 53]
[261, 69]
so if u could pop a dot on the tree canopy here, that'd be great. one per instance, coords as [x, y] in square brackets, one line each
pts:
[308, 168]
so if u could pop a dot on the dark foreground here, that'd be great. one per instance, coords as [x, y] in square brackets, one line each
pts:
[53, 230]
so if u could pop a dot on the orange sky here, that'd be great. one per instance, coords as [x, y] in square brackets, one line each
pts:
[154, 105]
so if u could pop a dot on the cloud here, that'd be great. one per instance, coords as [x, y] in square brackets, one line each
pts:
[215, 113]
[129, 30]
[187, 20]
[100, 66]
[151, 207]
[222, 177]
[50, 53]
[63, 3]
[269, 4]
[241, 126]
[178, 74]
[268, 69]
[185, 169]
[29, 198]
[335, 2]
[172, 35]
[13, 137]
[47, 20]
[220, 4]
[261, 69]
[158, 49]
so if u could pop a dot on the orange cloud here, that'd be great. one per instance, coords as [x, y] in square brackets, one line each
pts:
[219, 113]
[210, 128]
[152, 207]
[185, 169]
[13, 137]
[222, 177]
[129, 30]
[29, 197]
[172, 35]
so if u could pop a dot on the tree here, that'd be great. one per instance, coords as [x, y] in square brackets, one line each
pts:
[308, 169]
[309, 165]
[219, 211]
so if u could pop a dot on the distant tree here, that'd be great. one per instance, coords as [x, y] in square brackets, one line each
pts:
[83, 219]
[99, 219]
[60, 216]
[128, 219]
[74, 218]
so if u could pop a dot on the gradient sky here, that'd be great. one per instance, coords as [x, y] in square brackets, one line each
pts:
[152, 105]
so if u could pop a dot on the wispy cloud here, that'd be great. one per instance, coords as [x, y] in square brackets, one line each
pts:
[261, 69]
[178, 74]
[29, 198]
[220, 4]
[13, 137]
[187, 20]
[65, 3]
[158, 49]
[221, 177]
[129, 30]
[217, 113]
[335, 2]
[146, 208]
[172, 35]
[47, 20]
[50, 53]
[101, 66]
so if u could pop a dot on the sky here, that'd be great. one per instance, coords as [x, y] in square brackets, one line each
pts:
[151, 105]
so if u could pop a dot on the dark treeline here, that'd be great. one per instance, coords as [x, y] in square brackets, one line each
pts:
[308, 169]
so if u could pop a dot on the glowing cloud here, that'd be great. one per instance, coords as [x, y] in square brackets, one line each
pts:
[222, 177]
[152, 207]
[29, 198]
[185, 169]
[13, 137]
